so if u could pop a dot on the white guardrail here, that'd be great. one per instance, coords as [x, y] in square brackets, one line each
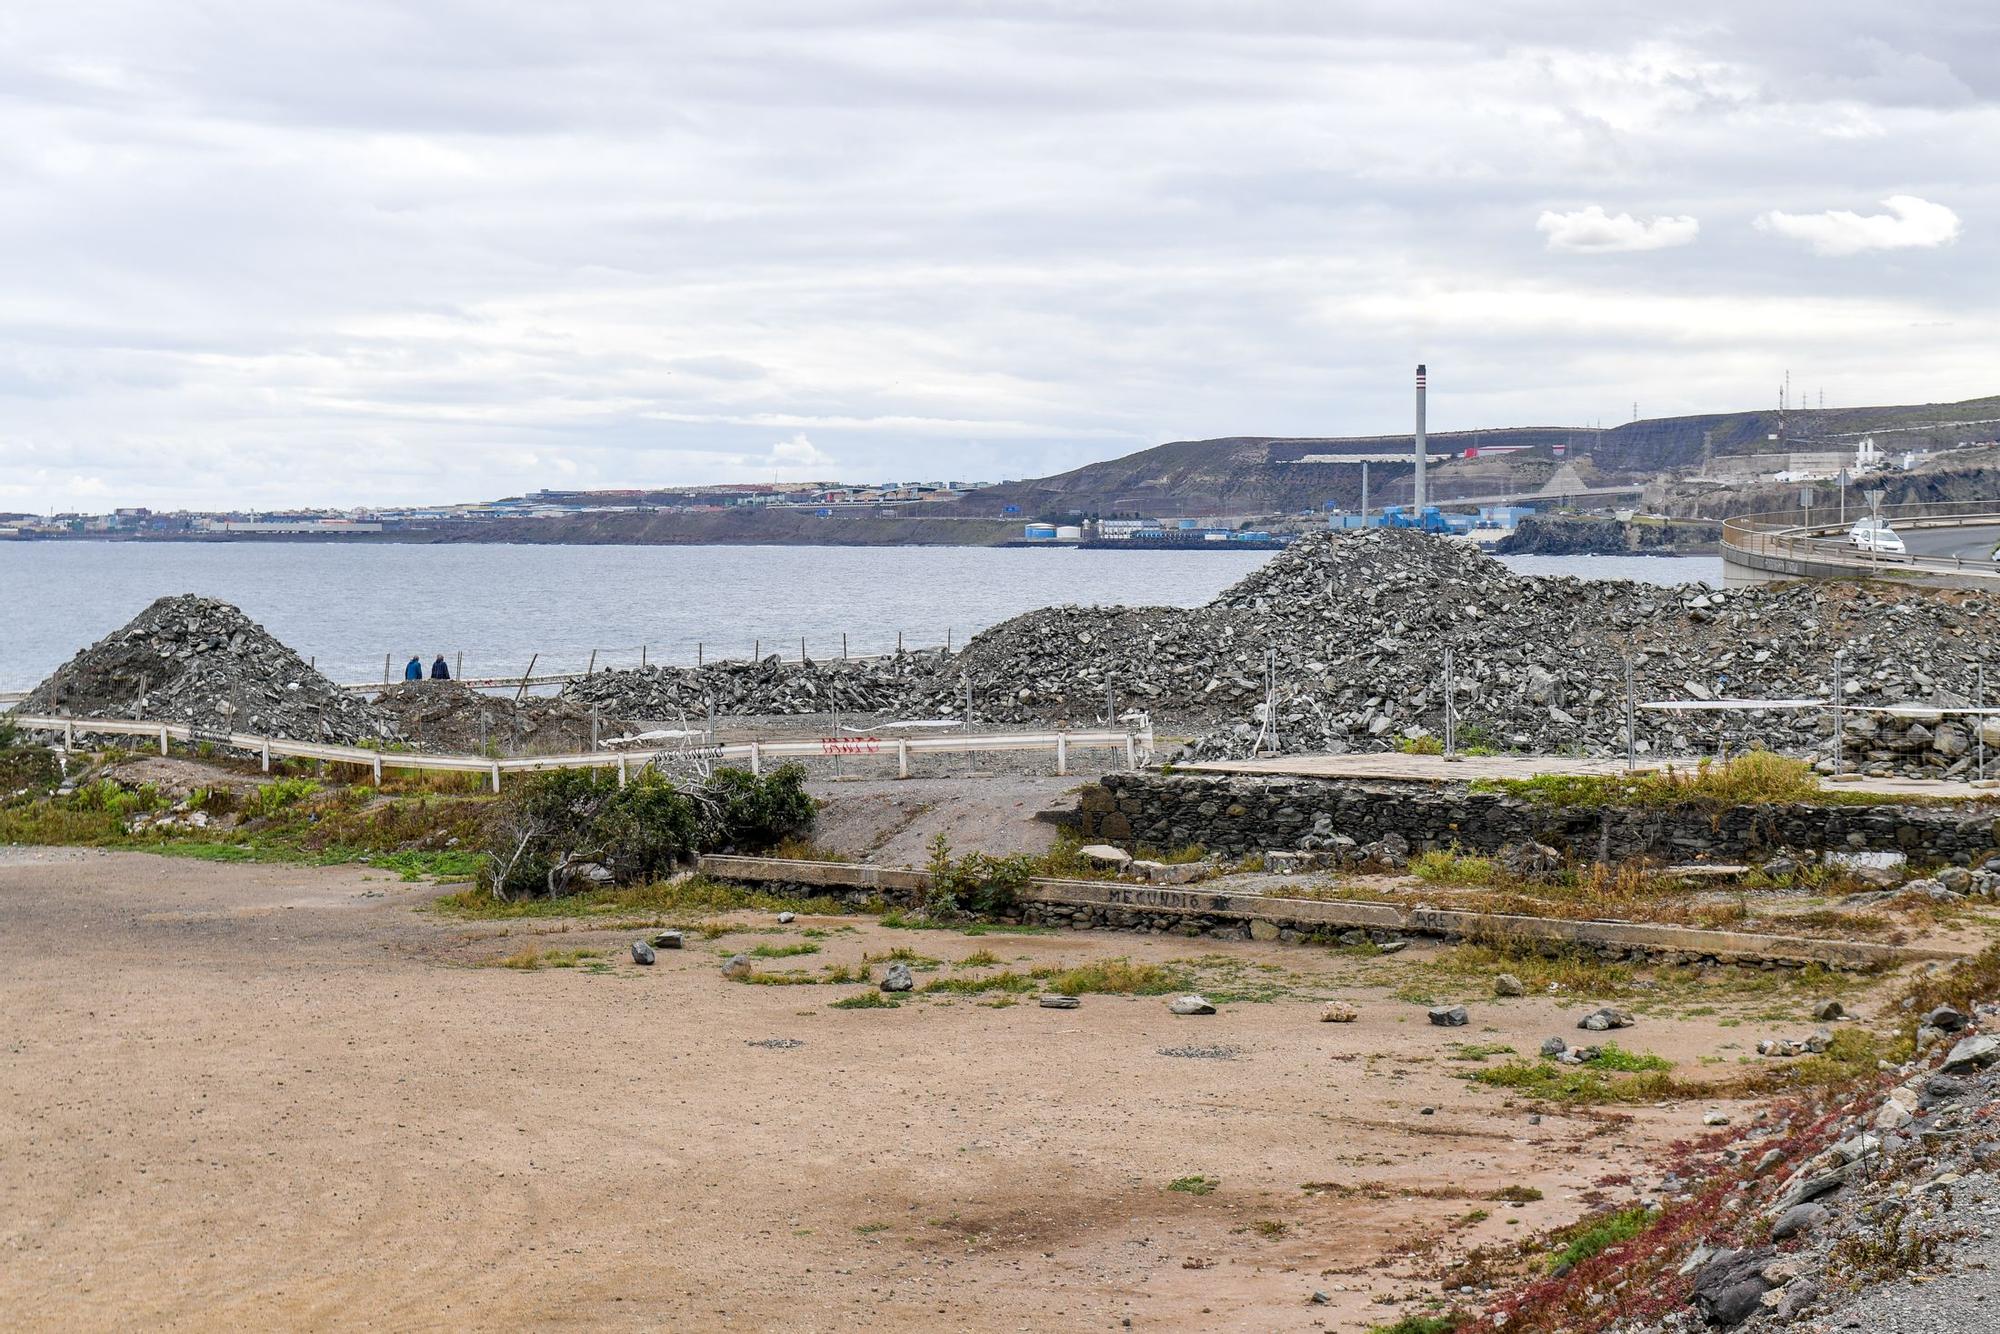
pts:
[1137, 744]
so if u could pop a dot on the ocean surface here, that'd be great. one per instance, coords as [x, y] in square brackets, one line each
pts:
[346, 607]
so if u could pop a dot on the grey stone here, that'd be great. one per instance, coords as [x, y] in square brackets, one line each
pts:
[897, 977]
[1190, 1004]
[1509, 985]
[1606, 1019]
[642, 953]
[1729, 1289]
[786, 919]
[738, 965]
[1103, 854]
[1973, 1053]
[1554, 1046]
[1799, 1218]
[1946, 1019]
[1452, 1016]
[1828, 1010]
[1055, 1002]
[667, 940]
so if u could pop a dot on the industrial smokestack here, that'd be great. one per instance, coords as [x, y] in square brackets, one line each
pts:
[1422, 493]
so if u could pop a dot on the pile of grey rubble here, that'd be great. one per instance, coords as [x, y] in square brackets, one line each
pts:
[195, 660]
[770, 685]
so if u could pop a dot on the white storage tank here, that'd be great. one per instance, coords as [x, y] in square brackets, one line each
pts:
[1069, 533]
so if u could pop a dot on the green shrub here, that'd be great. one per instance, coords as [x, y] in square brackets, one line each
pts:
[279, 796]
[641, 831]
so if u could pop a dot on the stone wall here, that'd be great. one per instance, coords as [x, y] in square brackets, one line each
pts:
[1236, 816]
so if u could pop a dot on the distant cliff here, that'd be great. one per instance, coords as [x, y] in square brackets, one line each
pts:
[1550, 535]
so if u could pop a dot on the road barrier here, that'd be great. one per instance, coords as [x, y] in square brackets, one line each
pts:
[1792, 543]
[1135, 743]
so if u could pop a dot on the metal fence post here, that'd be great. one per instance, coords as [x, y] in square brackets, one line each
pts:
[1839, 723]
[1450, 723]
[496, 776]
[756, 760]
[1062, 755]
[1631, 721]
[163, 738]
[902, 757]
[1979, 719]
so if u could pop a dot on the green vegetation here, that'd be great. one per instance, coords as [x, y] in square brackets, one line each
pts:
[535, 957]
[783, 951]
[1645, 1078]
[1438, 867]
[1479, 1051]
[639, 831]
[1421, 1324]
[676, 898]
[866, 1000]
[278, 796]
[1596, 1234]
[1756, 777]
[1194, 1185]
[1420, 745]
[974, 885]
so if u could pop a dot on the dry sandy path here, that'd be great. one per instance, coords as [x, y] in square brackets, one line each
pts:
[241, 1096]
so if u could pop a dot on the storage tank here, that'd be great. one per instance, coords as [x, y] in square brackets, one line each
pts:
[1069, 533]
[1040, 532]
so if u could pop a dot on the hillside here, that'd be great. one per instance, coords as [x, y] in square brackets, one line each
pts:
[1268, 474]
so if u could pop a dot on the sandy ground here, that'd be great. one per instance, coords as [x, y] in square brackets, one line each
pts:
[891, 822]
[244, 1096]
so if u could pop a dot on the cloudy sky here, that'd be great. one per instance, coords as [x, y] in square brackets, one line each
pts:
[348, 252]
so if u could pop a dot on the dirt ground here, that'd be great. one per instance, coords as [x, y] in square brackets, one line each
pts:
[266, 1096]
[890, 822]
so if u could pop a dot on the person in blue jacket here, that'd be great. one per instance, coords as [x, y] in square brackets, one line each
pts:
[415, 670]
[440, 672]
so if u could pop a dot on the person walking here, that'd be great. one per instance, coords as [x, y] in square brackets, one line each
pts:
[415, 670]
[440, 672]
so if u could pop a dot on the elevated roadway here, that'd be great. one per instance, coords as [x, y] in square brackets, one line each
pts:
[1948, 543]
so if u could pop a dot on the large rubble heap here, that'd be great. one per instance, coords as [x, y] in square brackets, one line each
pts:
[448, 717]
[767, 686]
[1355, 628]
[196, 660]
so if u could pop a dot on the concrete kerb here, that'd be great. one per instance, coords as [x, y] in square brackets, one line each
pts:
[1117, 905]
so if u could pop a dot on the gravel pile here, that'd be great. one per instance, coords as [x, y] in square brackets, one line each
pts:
[193, 659]
[446, 717]
[768, 686]
[1355, 628]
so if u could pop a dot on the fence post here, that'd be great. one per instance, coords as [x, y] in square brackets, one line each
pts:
[1062, 754]
[899, 643]
[458, 671]
[163, 738]
[593, 733]
[1631, 722]
[843, 646]
[591, 670]
[69, 734]
[378, 768]
[756, 650]
[902, 757]
[267, 755]
[621, 769]
[1450, 723]
[1131, 752]
[496, 775]
[385, 669]
[1839, 723]
[802, 650]
[642, 657]
[756, 761]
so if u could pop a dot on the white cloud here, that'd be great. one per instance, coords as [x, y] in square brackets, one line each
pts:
[1592, 231]
[800, 456]
[1910, 223]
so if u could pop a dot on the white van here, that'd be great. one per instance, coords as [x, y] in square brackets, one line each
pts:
[1872, 534]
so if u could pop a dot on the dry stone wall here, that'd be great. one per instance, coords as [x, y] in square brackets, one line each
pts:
[1236, 816]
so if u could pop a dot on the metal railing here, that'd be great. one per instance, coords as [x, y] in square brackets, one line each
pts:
[1136, 743]
[1804, 542]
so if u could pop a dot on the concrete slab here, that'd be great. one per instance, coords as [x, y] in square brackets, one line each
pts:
[1395, 767]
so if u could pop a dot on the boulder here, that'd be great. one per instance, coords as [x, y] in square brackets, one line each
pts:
[667, 940]
[897, 977]
[1509, 985]
[1729, 1289]
[1338, 1012]
[1606, 1019]
[1052, 1001]
[642, 953]
[1450, 1016]
[1554, 1046]
[1106, 856]
[737, 966]
[1191, 1004]
[1973, 1053]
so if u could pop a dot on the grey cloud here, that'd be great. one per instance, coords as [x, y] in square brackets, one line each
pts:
[375, 251]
